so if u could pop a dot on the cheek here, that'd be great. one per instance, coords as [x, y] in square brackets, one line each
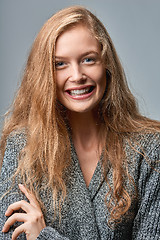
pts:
[100, 78]
[60, 80]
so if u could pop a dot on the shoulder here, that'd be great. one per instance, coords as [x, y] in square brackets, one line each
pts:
[144, 143]
[143, 153]
[148, 140]
[16, 141]
[149, 145]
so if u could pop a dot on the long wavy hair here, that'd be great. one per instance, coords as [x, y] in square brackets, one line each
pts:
[47, 153]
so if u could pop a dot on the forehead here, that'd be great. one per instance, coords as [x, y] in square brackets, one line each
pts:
[77, 38]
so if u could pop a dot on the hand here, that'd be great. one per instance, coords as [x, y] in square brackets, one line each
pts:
[33, 218]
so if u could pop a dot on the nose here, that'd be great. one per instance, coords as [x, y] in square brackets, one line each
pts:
[76, 73]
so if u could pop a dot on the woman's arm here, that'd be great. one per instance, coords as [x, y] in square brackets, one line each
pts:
[147, 221]
[21, 221]
[49, 233]
[32, 217]
[10, 195]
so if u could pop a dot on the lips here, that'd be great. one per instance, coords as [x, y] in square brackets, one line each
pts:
[80, 91]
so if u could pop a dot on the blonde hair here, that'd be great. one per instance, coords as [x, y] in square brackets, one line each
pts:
[47, 152]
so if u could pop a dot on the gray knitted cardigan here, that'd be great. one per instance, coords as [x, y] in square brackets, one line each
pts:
[84, 213]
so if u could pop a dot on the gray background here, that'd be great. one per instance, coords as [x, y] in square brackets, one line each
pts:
[134, 27]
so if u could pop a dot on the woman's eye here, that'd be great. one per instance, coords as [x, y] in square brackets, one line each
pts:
[59, 64]
[89, 60]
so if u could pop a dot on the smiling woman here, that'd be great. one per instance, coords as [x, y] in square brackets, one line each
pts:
[78, 159]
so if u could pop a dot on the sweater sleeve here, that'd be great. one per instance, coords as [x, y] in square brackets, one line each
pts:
[147, 221]
[49, 233]
[10, 195]
[9, 166]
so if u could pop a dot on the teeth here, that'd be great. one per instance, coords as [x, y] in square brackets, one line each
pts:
[79, 91]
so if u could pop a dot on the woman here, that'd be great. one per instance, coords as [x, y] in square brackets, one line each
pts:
[87, 159]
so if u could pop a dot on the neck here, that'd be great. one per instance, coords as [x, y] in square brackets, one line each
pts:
[85, 129]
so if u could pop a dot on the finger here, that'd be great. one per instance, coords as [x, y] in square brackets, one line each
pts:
[24, 190]
[18, 231]
[32, 199]
[16, 217]
[18, 205]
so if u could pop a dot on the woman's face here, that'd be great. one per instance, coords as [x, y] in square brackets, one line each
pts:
[80, 74]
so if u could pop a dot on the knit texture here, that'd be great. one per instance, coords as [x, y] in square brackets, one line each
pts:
[84, 213]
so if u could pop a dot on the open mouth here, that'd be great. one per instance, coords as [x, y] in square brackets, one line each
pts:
[79, 92]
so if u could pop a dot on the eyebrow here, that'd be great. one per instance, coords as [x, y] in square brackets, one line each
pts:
[82, 55]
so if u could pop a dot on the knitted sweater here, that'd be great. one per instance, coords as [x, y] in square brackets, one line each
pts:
[84, 213]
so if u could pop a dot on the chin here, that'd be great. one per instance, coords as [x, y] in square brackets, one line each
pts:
[82, 110]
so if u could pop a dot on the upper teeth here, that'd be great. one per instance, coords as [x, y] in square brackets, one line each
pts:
[79, 91]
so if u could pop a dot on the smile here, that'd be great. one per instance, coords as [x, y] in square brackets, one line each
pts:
[81, 93]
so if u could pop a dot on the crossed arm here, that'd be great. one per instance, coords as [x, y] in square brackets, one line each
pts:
[32, 218]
